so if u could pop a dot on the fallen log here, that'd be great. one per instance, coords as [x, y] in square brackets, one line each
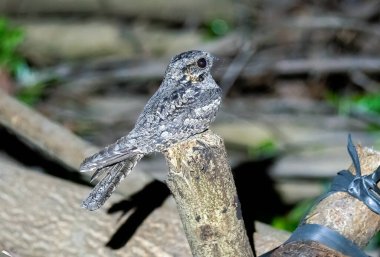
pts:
[41, 216]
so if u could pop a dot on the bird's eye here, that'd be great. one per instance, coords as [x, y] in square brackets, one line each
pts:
[202, 63]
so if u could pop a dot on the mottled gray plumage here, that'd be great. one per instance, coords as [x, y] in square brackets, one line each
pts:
[184, 105]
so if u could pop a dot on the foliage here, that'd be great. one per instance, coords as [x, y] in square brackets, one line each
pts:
[11, 61]
[374, 243]
[10, 39]
[266, 148]
[290, 221]
[368, 103]
[217, 28]
[31, 94]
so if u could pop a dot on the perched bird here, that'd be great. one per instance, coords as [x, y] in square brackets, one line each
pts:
[185, 104]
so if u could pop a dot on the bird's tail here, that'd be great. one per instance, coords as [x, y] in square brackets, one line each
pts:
[114, 175]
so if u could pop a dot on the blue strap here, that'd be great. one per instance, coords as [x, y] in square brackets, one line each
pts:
[327, 237]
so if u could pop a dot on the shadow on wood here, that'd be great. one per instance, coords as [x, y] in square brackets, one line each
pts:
[25, 153]
[141, 204]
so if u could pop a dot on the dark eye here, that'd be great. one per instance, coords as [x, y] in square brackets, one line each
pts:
[202, 63]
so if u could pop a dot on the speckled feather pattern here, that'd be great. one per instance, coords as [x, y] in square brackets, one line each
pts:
[184, 105]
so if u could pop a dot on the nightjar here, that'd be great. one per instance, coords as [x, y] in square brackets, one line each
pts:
[184, 105]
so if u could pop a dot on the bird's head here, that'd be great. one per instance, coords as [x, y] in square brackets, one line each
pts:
[191, 66]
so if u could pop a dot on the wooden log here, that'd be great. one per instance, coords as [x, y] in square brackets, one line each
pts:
[41, 216]
[342, 213]
[201, 182]
[267, 238]
[43, 134]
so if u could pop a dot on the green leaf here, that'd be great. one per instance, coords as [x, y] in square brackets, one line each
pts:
[32, 94]
[263, 149]
[290, 221]
[217, 28]
[10, 39]
[369, 103]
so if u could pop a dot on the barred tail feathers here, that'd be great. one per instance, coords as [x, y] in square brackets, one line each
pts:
[114, 175]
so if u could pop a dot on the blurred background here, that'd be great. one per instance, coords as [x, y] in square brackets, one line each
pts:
[297, 76]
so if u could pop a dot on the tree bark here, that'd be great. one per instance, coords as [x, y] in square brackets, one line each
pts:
[201, 182]
[41, 216]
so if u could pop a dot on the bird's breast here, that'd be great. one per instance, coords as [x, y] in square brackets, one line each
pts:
[209, 108]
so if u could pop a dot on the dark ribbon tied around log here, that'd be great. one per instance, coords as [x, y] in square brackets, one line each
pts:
[363, 188]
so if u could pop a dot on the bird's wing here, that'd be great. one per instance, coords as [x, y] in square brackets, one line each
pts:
[165, 111]
[165, 106]
[125, 146]
[176, 116]
[109, 155]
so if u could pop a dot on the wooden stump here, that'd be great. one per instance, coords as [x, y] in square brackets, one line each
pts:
[201, 182]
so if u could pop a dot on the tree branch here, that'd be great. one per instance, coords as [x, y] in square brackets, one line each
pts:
[201, 182]
[49, 137]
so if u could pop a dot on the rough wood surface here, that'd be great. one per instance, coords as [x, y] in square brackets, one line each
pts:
[201, 182]
[268, 238]
[41, 216]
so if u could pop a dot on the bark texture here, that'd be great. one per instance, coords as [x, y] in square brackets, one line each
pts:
[201, 182]
[41, 216]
